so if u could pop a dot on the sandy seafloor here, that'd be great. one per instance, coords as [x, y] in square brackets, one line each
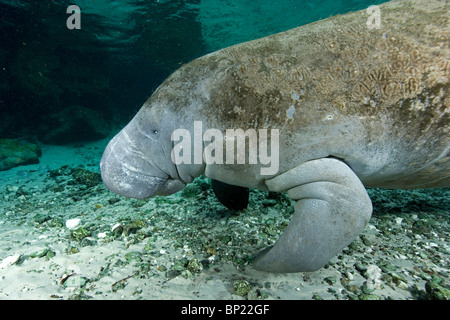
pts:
[188, 246]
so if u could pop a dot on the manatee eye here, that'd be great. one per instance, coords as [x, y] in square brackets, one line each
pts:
[155, 131]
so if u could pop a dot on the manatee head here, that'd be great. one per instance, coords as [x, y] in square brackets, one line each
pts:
[137, 161]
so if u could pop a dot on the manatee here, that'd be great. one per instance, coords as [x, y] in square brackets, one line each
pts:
[349, 104]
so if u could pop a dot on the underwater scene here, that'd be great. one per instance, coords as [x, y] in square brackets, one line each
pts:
[99, 199]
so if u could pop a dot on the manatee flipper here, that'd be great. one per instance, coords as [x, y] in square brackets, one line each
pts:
[333, 207]
[232, 197]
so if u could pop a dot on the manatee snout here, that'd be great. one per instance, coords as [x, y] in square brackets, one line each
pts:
[126, 171]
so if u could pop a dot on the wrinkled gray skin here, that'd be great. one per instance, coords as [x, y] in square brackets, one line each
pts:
[354, 107]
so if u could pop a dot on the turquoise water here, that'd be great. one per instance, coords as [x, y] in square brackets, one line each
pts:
[122, 52]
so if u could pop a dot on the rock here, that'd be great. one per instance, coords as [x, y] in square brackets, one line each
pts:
[80, 233]
[194, 266]
[74, 124]
[373, 276]
[369, 297]
[88, 241]
[133, 255]
[133, 227]
[10, 261]
[117, 229]
[41, 218]
[39, 254]
[72, 250]
[179, 265]
[241, 287]
[86, 177]
[101, 235]
[73, 223]
[12, 189]
[330, 280]
[75, 281]
[15, 153]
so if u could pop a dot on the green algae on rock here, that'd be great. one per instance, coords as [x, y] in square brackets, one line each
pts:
[15, 153]
[86, 177]
[241, 287]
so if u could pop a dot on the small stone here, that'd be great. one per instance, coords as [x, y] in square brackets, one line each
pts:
[117, 229]
[86, 177]
[179, 265]
[241, 287]
[360, 267]
[73, 223]
[187, 274]
[10, 261]
[330, 280]
[369, 297]
[373, 275]
[101, 235]
[194, 266]
[75, 281]
[316, 297]
[366, 240]
[133, 255]
[402, 285]
[113, 200]
[87, 242]
[80, 233]
[12, 189]
[41, 218]
[50, 254]
[133, 227]
[39, 254]
[72, 250]
[352, 288]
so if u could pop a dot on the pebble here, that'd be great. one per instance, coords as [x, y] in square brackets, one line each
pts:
[9, 261]
[101, 235]
[73, 223]
[12, 189]
[241, 287]
[117, 228]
